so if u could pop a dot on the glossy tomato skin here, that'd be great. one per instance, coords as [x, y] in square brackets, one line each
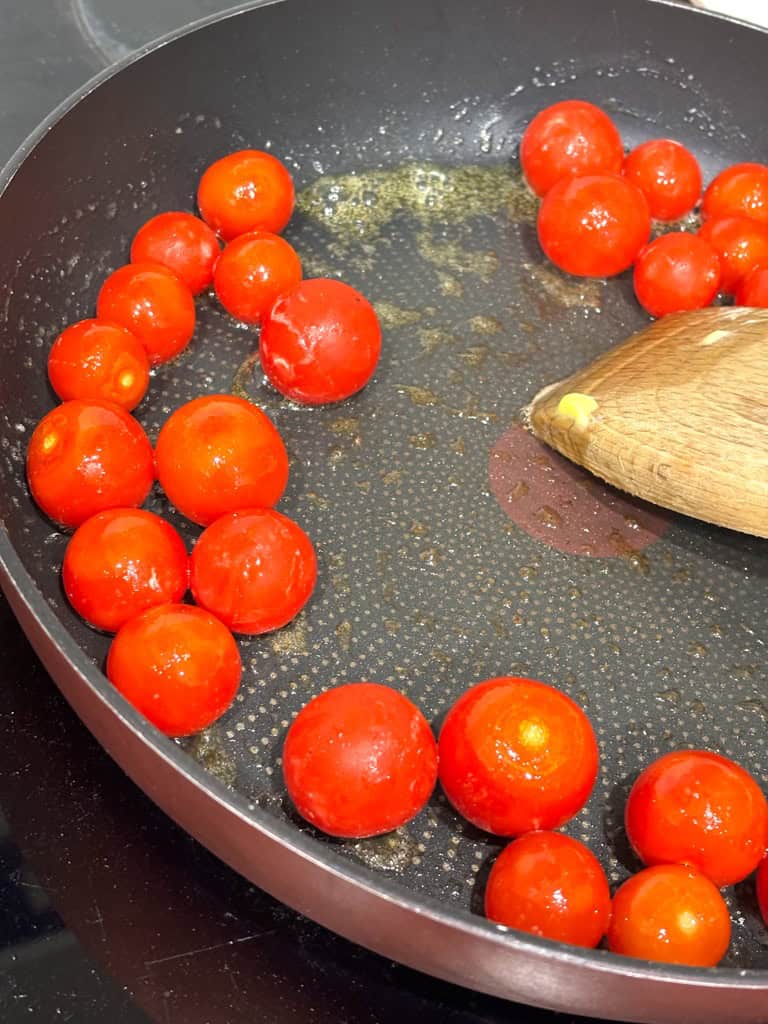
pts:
[738, 191]
[85, 457]
[219, 453]
[320, 342]
[359, 760]
[178, 665]
[671, 914]
[667, 174]
[568, 140]
[762, 889]
[550, 885]
[517, 755]
[120, 562]
[97, 359]
[246, 191]
[701, 809]
[254, 569]
[675, 272]
[741, 244]
[593, 226]
[253, 271]
[181, 242]
[753, 289]
[154, 304]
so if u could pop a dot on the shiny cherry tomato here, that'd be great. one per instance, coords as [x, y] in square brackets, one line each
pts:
[753, 289]
[359, 760]
[219, 453]
[85, 457]
[253, 271]
[178, 665]
[593, 226]
[697, 808]
[254, 569]
[670, 914]
[151, 302]
[121, 562]
[568, 140]
[741, 244]
[551, 885]
[675, 272]
[667, 174]
[517, 755]
[96, 359]
[246, 191]
[738, 191]
[320, 342]
[181, 242]
[762, 889]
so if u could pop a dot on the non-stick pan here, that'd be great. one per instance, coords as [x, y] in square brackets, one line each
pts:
[451, 547]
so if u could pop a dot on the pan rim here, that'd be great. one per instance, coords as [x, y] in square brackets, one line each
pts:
[15, 578]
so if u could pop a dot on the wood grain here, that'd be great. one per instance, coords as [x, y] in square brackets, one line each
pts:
[681, 417]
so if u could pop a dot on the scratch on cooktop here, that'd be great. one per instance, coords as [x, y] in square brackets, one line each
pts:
[207, 949]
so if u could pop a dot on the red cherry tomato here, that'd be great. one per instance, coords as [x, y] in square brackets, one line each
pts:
[245, 191]
[675, 272]
[96, 359]
[762, 889]
[738, 191]
[253, 271]
[667, 174]
[178, 665]
[741, 244]
[255, 570]
[697, 808]
[219, 453]
[151, 302]
[594, 226]
[320, 342]
[181, 242]
[670, 914]
[551, 885]
[753, 289]
[85, 457]
[517, 755]
[121, 562]
[359, 760]
[567, 140]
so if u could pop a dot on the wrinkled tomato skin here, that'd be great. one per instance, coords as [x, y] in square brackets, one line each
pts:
[94, 359]
[741, 244]
[675, 272]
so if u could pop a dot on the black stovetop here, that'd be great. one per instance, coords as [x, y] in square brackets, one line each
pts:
[108, 912]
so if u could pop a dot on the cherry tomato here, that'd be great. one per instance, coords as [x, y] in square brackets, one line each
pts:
[670, 914]
[359, 760]
[753, 289]
[253, 271]
[320, 342]
[151, 302]
[254, 569]
[181, 242]
[667, 174]
[245, 191]
[121, 562]
[741, 244]
[593, 226]
[762, 889]
[517, 755]
[697, 808]
[567, 140]
[178, 665]
[675, 272]
[738, 191]
[219, 453]
[96, 359]
[85, 457]
[551, 885]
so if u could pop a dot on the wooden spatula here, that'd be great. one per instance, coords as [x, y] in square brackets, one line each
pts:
[677, 415]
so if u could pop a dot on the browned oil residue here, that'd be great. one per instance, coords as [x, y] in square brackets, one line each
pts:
[291, 639]
[636, 559]
[757, 706]
[392, 852]
[207, 748]
[423, 441]
[344, 635]
[348, 425]
[549, 517]
[419, 396]
[669, 696]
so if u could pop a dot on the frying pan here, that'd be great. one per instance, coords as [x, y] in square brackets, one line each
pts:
[446, 542]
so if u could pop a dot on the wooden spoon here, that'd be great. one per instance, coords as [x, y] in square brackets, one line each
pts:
[677, 415]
